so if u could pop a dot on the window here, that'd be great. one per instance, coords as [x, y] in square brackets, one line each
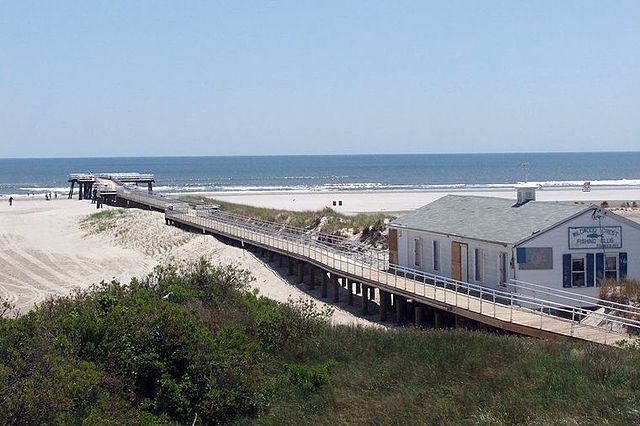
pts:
[417, 251]
[436, 256]
[578, 271]
[611, 267]
[479, 263]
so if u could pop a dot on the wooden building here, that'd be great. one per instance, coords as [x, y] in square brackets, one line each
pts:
[494, 242]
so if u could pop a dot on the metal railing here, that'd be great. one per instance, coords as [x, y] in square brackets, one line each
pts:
[146, 198]
[510, 306]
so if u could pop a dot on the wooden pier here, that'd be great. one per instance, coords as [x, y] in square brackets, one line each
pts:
[106, 182]
[344, 269]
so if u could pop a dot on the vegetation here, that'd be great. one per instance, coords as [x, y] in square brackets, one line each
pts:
[194, 341]
[326, 220]
[626, 291]
[103, 220]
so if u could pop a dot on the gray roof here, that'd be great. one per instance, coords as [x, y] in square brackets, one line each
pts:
[488, 218]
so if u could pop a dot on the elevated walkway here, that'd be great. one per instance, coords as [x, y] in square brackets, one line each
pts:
[524, 308]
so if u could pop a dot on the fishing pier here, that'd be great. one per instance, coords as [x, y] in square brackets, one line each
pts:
[357, 273]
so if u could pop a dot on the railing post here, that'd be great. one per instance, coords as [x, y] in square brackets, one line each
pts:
[511, 308]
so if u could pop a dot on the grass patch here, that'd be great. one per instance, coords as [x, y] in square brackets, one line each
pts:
[194, 340]
[327, 220]
[102, 220]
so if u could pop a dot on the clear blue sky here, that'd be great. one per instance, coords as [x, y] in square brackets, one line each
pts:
[91, 78]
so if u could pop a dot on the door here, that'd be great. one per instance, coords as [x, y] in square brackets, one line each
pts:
[459, 261]
[393, 246]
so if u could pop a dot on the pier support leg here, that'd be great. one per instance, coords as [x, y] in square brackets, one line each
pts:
[150, 186]
[79, 191]
[280, 261]
[71, 190]
[437, 319]
[400, 308]
[271, 257]
[336, 288]
[372, 293]
[364, 300]
[383, 305]
[290, 265]
[357, 288]
[418, 314]
[312, 277]
[350, 290]
[300, 272]
[325, 280]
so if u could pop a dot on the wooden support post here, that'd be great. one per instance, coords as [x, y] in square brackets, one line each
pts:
[363, 299]
[312, 277]
[336, 288]
[150, 186]
[383, 305]
[271, 254]
[437, 319]
[350, 291]
[79, 191]
[357, 288]
[418, 314]
[300, 272]
[400, 307]
[372, 293]
[325, 280]
[290, 265]
[280, 260]
[71, 190]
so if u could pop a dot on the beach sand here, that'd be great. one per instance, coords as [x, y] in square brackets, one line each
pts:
[395, 202]
[44, 252]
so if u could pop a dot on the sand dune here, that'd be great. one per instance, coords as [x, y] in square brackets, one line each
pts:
[44, 252]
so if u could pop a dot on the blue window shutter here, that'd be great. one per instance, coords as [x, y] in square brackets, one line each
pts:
[589, 269]
[622, 258]
[599, 269]
[521, 254]
[566, 270]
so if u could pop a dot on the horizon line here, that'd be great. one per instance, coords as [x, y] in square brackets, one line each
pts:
[313, 155]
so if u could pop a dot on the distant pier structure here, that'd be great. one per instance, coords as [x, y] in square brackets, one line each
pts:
[106, 183]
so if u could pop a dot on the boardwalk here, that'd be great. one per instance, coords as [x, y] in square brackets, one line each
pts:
[505, 311]
[338, 260]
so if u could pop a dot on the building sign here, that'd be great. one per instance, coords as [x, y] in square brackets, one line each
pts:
[595, 237]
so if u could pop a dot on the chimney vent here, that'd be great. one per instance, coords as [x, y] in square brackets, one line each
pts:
[526, 193]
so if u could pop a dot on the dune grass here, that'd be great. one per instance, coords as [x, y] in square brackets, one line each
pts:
[102, 220]
[335, 223]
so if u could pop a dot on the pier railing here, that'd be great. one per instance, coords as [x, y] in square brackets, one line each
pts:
[500, 304]
[156, 201]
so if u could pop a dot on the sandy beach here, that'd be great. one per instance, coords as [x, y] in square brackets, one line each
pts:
[44, 253]
[395, 202]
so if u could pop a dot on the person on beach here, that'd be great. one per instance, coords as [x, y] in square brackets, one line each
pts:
[10, 201]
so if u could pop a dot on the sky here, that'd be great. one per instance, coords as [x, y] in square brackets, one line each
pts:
[128, 78]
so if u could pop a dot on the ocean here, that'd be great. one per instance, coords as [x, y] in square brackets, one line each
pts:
[333, 172]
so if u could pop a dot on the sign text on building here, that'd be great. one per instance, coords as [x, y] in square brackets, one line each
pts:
[595, 237]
